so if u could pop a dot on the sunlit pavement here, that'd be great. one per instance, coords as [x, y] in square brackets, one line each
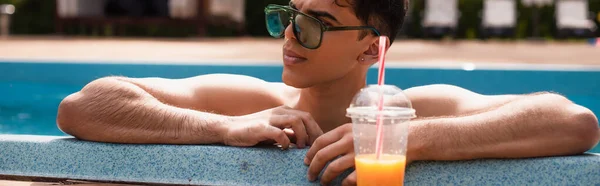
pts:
[267, 50]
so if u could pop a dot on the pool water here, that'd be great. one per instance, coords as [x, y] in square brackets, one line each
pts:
[30, 92]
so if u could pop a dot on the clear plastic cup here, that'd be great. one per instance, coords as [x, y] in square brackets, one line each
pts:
[388, 168]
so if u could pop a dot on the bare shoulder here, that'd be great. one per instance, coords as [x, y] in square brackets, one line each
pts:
[232, 94]
[227, 94]
[436, 91]
[449, 100]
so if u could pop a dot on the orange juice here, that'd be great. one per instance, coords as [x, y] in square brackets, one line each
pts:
[388, 170]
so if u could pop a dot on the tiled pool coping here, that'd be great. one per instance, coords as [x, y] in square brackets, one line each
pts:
[64, 157]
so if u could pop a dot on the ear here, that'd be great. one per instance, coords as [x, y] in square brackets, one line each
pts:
[371, 55]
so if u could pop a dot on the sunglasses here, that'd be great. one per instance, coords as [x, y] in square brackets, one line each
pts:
[307, 29]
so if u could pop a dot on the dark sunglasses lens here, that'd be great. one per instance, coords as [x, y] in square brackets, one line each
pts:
[277, 21]
[308, 31]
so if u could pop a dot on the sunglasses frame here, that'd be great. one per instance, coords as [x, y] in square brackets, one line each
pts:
[324, 28]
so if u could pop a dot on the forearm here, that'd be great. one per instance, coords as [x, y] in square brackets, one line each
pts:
[123, 113]
[534, 126]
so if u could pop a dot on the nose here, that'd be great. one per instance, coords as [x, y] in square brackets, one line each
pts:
[289, 33]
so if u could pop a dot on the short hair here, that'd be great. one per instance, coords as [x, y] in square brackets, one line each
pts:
[387, 16]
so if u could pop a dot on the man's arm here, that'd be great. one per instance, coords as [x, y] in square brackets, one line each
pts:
[154, 110]
[467, 125]
[457, 124]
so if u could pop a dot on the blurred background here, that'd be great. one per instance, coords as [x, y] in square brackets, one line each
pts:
[427, 19]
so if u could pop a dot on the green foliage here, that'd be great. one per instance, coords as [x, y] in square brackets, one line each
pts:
[37, 17]
[32, 16]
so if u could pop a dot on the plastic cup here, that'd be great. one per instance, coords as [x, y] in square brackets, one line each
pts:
[387, 169]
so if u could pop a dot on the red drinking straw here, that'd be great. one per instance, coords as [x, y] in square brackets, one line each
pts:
[380, 82]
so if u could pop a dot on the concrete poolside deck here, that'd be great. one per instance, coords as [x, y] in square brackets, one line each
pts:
[27, 183]
[65, 160]
[266, 50]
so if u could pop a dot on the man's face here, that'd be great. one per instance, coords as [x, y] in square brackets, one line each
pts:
[338, 54]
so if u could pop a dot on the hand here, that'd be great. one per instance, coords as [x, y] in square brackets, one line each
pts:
[338, 142]
[250, 130]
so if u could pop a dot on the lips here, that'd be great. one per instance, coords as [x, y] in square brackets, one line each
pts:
[292, 58]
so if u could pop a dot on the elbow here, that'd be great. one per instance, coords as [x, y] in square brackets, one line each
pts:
[579, 125]
[585, 131]
[78, 112]
[68, 114]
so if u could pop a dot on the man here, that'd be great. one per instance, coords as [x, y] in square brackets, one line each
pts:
[329, 45]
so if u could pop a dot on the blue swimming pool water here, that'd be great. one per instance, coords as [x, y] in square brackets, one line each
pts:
[30, 92]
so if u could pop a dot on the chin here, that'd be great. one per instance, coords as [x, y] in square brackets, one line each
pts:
[294, 80]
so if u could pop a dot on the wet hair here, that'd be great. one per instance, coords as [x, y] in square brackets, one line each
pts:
[387, 16]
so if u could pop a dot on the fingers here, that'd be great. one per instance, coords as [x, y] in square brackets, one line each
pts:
[336, 168]
[322, 142]
[327, 154]
[312, 127]
[276, 134]
[299, 131]
[350, 180]
[287, 121]
[290, 134]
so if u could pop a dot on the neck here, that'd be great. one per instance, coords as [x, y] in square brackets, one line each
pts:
[327, 102]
